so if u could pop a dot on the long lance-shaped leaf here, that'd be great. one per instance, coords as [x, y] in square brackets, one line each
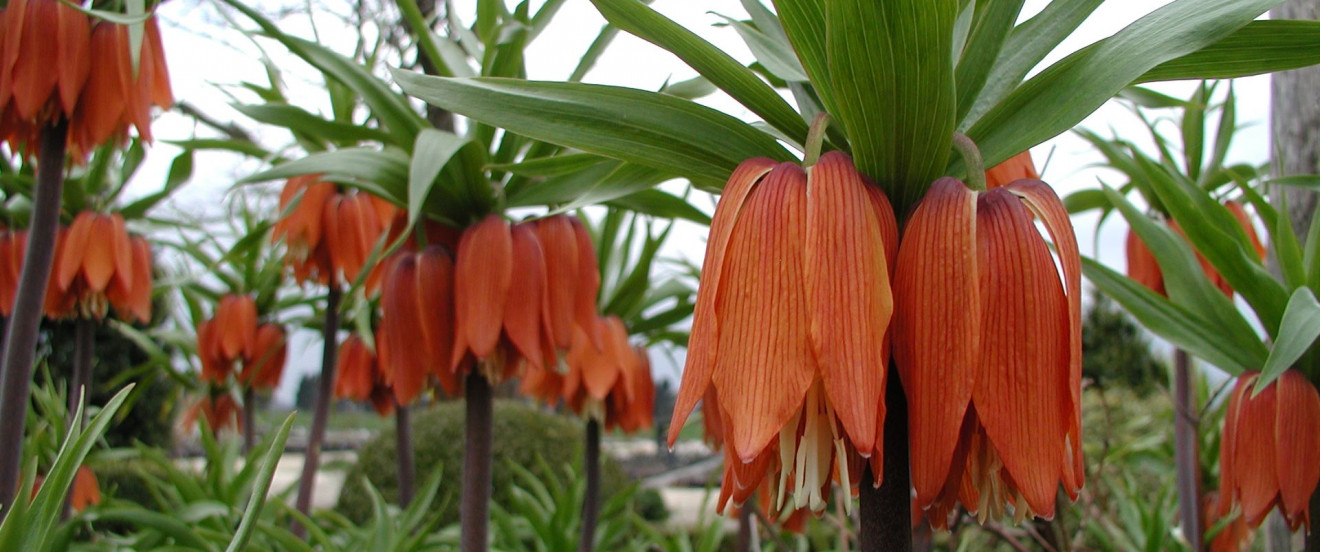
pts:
[1026, 47]
[1065, 93]
[721, 69]
[1299, 329]
[1219, 237]
[388, 106]
[804, 23]
[990, 30]
[1176, 324]
[1259, 47]
[446, 177]
[383, 173]
[260, 487]
[1186, 282]
[897, 51]
[594, 184]
[653, 130]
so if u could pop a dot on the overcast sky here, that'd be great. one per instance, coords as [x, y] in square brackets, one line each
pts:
[207, 62]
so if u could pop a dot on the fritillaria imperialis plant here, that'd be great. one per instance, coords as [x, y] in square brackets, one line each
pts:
[68, 82]
[900, 79]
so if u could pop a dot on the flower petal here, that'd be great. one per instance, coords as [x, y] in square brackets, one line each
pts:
[764, 364]
[482, 273]
[1141, 264]
[1021, 390]
[1255, 464]
[937, 335]
[524, 307]
[704, 338]
[561, 270]
[848, 294]
[1297, 426]
[1046, 205]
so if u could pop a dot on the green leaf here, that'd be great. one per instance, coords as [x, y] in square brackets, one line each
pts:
[661, 204]
[557, 165]
[1259, 47]
[650, 129]
[464, 187]
[1218, 236]
[1146, 97]
[595, 184]
[1187, 284]
[1065, 93]
[1287, 251]
[180, 172]
[1183, 328]
[898, 50]
[381, 172]
[1085, 200]
[991, 28]
[804, 23]
[1300, 181]
[1025, 48]
[1299, 329]
[389, 107]
[776, 56]
[1193, 131]
[260, 487]
[300, 120]
[711, 62]
[237, 146]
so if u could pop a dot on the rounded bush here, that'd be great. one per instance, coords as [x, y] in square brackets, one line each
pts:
[523, 436]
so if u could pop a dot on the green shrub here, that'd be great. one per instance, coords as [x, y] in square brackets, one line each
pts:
[523, 435]
[129, 479]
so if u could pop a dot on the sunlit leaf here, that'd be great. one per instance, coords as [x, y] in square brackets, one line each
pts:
[1299, 329]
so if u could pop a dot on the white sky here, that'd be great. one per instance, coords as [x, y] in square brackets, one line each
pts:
[205, 58]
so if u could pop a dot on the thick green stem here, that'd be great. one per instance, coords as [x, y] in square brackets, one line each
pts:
[404, 447]
[1186, 459]
[324, 396]
[886, 512]
[474, 514]
[591, 502]
[21, 335]
[972, 158]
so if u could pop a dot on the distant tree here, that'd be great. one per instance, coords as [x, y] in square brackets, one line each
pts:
[1115, 351]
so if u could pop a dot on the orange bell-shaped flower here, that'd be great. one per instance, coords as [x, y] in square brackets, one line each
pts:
[302, 227]
[632, 409]
[572, 278]
[264, 364]
[988, 345]
[1015, 168]
[499, 289]
[115, 94]
[358, 375]
[85, 491]
[790, 325]
[353, 225]
[417, 320]
[1270, 452]
[96, 268]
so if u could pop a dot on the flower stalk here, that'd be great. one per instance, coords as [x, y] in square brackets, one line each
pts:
[324, 396]
[886, 511]
[249, 419]
[404, 449]
[1186, 458]
[474, 517]
[972, 158]
[21, 335]
[591, 502]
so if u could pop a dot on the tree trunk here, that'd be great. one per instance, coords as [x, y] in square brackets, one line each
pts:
[1295, 128]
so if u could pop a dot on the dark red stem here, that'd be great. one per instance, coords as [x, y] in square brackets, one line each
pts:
[474, 516]
[591, 502]
[886, 512]
[404, 444]
[1186, 458]
[21, 335]
[324, 396]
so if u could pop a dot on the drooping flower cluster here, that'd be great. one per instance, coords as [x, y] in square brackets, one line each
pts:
[98, 265]
[330, 232]
[360, 373]
[1270, 452]
[234, 338]
[789, 340]
[218, 408]
[1142, 266]
[56, 63]
[988, 345]
[611, 383]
